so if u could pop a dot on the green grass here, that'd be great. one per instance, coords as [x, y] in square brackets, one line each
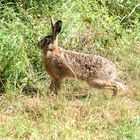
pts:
[107, 28]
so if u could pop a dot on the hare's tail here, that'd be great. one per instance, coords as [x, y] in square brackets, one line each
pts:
[125, 89]
[121, 86]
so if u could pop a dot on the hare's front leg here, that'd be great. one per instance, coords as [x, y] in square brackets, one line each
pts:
[55, 85]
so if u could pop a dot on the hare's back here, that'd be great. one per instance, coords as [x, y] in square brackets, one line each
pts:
[102, 68]
[87, 66]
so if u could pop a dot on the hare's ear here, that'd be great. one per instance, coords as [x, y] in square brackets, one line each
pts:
[57, 28]
[52, 23]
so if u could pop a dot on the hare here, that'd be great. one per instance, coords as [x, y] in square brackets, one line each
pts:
[59, 63]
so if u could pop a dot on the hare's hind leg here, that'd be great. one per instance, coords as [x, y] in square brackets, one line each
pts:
[104, 84]
[55, 85]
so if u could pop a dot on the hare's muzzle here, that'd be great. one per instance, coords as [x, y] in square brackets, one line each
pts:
[40, 45]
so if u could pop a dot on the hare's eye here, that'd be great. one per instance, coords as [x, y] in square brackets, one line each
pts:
[46, 41]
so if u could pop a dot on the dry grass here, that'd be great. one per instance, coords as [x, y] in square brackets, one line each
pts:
[95, 116]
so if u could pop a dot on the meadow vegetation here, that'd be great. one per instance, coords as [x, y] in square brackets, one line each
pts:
[105, 27]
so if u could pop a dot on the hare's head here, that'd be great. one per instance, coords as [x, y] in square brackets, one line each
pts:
[50, 41]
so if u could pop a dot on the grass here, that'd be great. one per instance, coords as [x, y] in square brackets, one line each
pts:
[107, 28]
[44, 117]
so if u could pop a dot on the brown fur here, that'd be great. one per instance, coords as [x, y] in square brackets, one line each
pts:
[97, 71]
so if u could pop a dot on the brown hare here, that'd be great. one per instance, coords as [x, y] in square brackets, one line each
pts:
[97, 71]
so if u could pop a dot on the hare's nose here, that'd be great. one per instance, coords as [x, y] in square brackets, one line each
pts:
[39, 45]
